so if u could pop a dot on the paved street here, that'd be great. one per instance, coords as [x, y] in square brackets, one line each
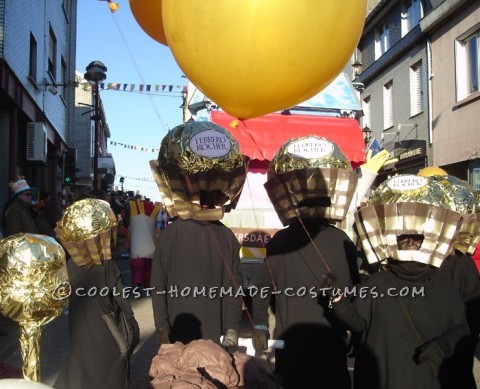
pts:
[54, 343]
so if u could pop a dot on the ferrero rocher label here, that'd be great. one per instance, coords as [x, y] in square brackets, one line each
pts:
[210, 144]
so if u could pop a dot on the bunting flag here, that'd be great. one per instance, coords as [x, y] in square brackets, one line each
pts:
[146, 179]
[112, 6]
[137, 148]
[150, 88]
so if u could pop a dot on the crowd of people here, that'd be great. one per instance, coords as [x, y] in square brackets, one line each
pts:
[415, 237]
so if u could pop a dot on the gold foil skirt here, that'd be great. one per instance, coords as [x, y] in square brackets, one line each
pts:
[407, 204]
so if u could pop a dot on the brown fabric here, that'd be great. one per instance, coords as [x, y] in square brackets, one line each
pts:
[203, 364]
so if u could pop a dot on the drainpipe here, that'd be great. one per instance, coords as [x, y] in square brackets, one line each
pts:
[429, 94]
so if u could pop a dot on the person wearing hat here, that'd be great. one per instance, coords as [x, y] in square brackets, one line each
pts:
[196, 272]
[18, 216]
[411, 316]
[310, 184]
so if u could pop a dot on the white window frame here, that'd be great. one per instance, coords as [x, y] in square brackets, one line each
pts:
[416, 89]
[388, 105]
[412, 13]
[382, 40]
[467, 57]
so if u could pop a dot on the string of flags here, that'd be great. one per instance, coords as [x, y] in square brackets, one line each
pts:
[138, 148]
[146, 179]
[128, 87]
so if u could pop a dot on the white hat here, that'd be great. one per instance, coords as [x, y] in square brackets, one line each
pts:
[19, 186]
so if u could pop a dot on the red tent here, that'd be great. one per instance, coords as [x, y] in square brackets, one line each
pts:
[260, 138]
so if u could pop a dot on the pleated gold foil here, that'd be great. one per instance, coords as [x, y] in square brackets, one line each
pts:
[87, 231]
[305, 174]
[199, 158]
[407, 204]
[33, 279]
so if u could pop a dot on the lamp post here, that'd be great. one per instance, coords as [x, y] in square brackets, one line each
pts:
[122, 180]
[367, 134]
[94, 75]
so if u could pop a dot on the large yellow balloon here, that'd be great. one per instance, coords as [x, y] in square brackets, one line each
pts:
[148, 14]
[254, 57]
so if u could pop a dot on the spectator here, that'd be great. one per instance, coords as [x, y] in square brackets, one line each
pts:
[18, 216]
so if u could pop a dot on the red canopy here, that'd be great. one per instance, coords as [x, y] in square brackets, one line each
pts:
[261, 137]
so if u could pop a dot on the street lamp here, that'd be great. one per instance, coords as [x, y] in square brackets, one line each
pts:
[94, 75]
[122, 180]
[367, 134]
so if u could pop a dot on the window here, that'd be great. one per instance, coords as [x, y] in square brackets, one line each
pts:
[382, 40]
[32, 66]
[367, 118]
[63, 79]
[412, 12]
[416, 89]
[52, 54]
[66, 8]
[468, 65]
[387, 105]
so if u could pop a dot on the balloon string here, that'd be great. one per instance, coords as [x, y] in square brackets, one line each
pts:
[132, 58]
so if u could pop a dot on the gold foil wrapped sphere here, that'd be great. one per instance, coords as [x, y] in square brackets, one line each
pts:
[33, 290]
[308, 152]
[310, 177]
[86, 219]
[431, 171]
[87, 231]
[409, 204]
[200, 171]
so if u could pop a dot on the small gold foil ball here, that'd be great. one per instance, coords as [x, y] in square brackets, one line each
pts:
[33, 278]
[86, 219]
[461, 194]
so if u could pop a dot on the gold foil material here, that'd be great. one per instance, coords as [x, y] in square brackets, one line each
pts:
[310, 177]
[195, 159]
[307, 152]
[86, 219]
[412, 188]
[87, 231]
[421, 207]
[33, 279]
[464, 200]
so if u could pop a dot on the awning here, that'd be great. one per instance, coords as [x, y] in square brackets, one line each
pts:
[260, 138]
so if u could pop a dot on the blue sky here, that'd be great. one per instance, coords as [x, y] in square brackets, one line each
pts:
[132, 57]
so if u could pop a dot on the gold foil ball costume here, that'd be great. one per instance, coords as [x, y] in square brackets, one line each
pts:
[431, 171]
[200, 171]
[33, 290]
[465, 201]
[310, 177]
[408, 204]
[87, 231]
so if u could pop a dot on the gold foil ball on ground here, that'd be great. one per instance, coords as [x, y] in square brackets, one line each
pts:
[86, 219]
[34, 290]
